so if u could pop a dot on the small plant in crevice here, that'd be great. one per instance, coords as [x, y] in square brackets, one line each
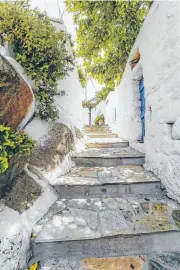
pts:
[13, 143]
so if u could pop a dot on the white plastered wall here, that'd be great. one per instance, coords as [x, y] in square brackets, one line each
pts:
[159, 46]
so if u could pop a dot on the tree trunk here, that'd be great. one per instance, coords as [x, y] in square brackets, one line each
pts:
[90, 116]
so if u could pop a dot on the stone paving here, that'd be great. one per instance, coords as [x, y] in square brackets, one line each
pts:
[105, 140]
[165, 261]
[110, 153]
[121, 263]
[104, 225]
[102, 175]
[107, 175]
[77, 219]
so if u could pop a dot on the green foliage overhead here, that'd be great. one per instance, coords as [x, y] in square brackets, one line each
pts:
[13, 143]
[106, 32]
[38, 47]
[82, 77]
[103, 93]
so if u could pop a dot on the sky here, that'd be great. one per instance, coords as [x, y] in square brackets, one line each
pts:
[56, 9]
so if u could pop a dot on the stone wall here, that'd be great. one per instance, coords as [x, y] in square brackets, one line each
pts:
[158, 43]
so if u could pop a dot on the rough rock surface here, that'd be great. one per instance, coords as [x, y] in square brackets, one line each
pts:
[169, 261]
[58, 143]
[16, 97]
[16, 227]
[16, 166]
[18, 200]
[81, 218]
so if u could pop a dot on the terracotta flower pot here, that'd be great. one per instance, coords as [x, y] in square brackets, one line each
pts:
[101, 122]
[135, 59]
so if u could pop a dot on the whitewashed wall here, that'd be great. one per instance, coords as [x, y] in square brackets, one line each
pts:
[159, 46]
[100, 109]
[69, 105]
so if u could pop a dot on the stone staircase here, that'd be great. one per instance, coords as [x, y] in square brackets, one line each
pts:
[108, 207]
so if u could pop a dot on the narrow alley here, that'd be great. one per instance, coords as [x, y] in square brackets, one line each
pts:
[108, 206]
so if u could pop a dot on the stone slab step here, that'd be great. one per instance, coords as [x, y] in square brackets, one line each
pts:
[109, 157]
[95, 218]
[108, 131]
[160, 261]
[110, 247]
[107, 145]
[101, 135]
[93, 127]
[107, 227]
[117, 263]
[107, 181]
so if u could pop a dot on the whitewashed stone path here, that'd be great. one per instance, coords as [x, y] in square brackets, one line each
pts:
[108, 207]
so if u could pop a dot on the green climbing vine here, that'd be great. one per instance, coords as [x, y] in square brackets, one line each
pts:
[106, 32]
[39, 48]
[13, 143]
[82, 77]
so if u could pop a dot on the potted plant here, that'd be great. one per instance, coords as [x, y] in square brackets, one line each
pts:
[99, 120]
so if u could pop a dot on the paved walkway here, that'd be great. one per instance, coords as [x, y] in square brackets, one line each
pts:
[109, 209]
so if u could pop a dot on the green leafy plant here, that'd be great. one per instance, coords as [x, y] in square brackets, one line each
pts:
[103, 93]
[99, 117]
[106, 32]
[45, 107]
[13, 143]
[37, 46]
[82, 77]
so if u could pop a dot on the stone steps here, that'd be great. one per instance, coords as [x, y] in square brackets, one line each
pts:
[165, 261]
[124, 263]
[99, 131]
[102, 135]
[107, 145]
[96, 128]
[109, 157]
[103, 227]
[102, 181]
[107, 206]
[160, 261]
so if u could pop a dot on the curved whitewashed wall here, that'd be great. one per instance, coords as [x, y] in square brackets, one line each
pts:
[68, 100]
[159, 46]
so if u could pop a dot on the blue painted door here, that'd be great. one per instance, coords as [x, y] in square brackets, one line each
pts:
[143, 107]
